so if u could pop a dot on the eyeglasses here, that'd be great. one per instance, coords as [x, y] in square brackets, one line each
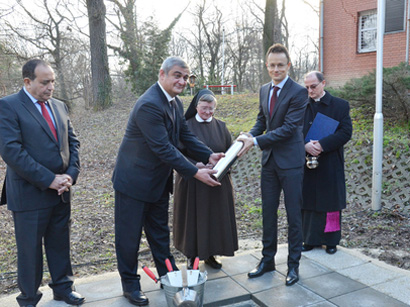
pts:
[313, 86]
[279, 66]
[207, 109]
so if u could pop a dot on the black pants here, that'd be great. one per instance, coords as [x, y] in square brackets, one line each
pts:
[131, 216]
[31, 227]
[273, 180]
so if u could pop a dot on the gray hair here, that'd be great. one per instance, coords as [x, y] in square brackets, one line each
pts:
[173, 61]
[207, 98]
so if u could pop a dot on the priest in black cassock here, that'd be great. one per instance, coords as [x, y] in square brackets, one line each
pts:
[324, 187]
[204, 217]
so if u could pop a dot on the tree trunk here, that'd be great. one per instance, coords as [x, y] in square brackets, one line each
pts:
[101, 81]
[270, 30]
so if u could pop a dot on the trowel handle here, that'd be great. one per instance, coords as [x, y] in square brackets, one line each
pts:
[169, 265]
[196, 263]
[149, 273]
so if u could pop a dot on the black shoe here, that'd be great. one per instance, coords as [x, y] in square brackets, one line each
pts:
[307, 247]
[262, 268]
[331, 249]
[29, 305]
[72, 298]
[137, 298]
[292, 277]
[213, 263]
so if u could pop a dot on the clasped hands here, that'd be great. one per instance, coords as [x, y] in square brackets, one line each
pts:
[61, 183]
[313, 148]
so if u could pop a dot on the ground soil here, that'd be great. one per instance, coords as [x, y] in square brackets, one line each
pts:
[384, 235]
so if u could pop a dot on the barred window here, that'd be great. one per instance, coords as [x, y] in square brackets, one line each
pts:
[367, 31]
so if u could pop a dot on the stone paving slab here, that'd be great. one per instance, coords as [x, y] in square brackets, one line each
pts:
[398, 288]
[283, 296]
[331, 285]
[367, 297]
[347, 278]
[370, 274]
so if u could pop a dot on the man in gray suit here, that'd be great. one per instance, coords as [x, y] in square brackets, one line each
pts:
[40, 148]
[282, 104]
[143, 174]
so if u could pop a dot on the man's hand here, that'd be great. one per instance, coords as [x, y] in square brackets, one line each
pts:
[313, 148]
[215, 157]
[204, 175]
[247, 143]
[200, 165]
[61, 183]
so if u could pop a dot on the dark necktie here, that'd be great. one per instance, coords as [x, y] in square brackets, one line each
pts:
[172, 102]
[273, 99]
[47, 117]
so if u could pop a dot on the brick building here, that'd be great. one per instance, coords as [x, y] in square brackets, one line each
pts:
[348, 39]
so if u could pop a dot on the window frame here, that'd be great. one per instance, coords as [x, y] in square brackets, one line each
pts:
[362, 30]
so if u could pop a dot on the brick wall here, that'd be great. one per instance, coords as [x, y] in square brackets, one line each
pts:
[341, 61]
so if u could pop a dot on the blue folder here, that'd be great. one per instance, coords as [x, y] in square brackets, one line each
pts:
[321, 127]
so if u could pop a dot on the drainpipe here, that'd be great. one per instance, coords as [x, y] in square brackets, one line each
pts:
[321, 37]
[408, 33]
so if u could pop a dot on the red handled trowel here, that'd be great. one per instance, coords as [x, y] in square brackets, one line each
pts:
[174, 277]
[193, 275]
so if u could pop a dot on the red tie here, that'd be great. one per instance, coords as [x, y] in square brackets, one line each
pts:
[273, 99]
[47, 117]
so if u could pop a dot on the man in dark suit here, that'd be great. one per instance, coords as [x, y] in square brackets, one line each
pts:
[281, 109]
[40, 148]
[324, 187]
[143, 174]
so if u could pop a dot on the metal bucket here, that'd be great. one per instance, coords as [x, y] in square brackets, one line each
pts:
[171, 291]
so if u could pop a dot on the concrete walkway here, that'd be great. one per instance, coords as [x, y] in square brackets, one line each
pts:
[347, 278]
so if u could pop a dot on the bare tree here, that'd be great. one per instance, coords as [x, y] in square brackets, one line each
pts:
[206, 42]
[143, 48]
[101, 81]
[244, 50]
[53, 37]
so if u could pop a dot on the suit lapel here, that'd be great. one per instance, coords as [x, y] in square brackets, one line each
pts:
[265, 101]
[282, 96]
[29, 105]
[57, 118]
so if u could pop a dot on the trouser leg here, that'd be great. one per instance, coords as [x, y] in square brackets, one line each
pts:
[29, 230]
[129, 216]
[270, 187]
[157, 232]
[57, 247]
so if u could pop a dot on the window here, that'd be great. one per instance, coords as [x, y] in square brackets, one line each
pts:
[395, 15]
[367, 31]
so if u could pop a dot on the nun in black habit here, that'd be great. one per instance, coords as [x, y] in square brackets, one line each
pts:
[204, 217]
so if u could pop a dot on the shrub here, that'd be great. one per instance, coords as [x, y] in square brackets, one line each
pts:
[361, 92]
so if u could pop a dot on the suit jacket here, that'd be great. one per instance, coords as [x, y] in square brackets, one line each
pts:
[283, 139]
[148, 152]
[324, 187]
[32, 154]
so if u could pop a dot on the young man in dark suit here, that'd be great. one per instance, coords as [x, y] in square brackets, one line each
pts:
[143, 174]
[41, 150]
[281, 109]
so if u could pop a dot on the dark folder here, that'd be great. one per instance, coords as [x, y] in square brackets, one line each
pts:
[321, 127]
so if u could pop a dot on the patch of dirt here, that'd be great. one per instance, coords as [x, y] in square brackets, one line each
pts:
[384, 235]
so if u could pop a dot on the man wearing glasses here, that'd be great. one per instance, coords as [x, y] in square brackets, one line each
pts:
[282, 106]
[324, 190]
